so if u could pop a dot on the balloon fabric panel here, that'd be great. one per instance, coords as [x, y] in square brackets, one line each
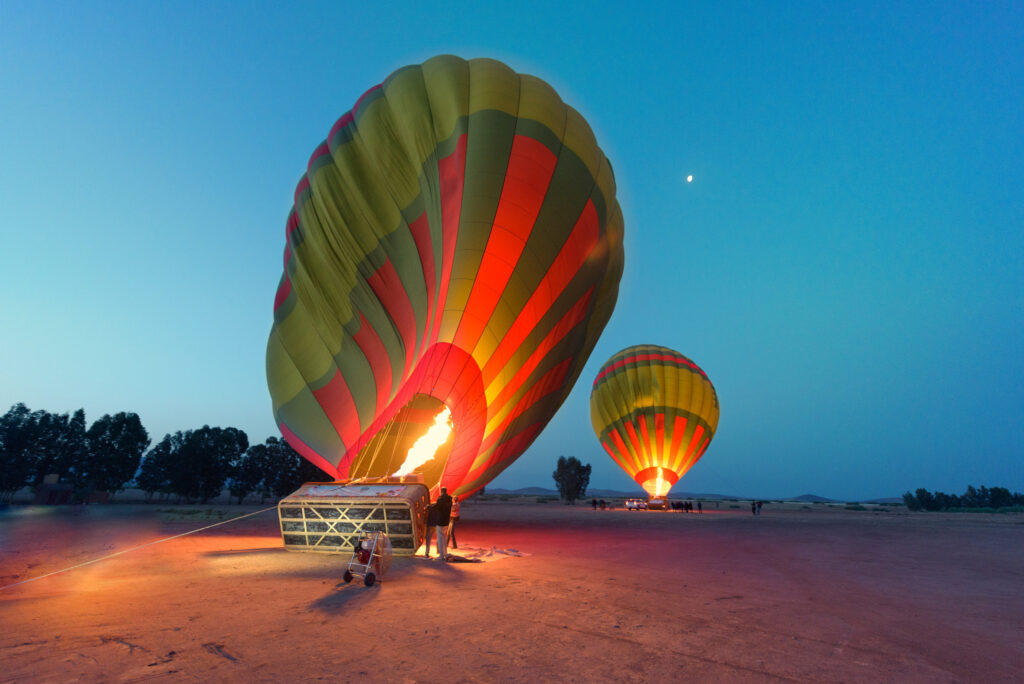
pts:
[455, 242]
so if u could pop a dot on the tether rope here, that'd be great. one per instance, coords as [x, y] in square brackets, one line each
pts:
[134, 548]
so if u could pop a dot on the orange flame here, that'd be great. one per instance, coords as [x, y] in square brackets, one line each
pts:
[426, 446]
[657, 487]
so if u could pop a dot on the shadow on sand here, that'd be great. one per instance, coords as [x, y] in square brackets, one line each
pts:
[341, 597]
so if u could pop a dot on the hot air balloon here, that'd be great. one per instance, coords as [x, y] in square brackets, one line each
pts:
[453, 254]
[655, 412]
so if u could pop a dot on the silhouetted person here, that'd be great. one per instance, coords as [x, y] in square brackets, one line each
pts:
[451, 526]
[759, 503]
[603, 504]
[700, 507]
[594, 504]
[431, 525]
[444, 517]
[753, 508]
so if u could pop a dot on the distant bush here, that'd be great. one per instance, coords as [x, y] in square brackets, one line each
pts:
[1003, 509]
[733, 506]
[982, 500]
[855, 507]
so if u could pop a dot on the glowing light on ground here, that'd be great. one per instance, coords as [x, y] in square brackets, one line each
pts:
[426, 446]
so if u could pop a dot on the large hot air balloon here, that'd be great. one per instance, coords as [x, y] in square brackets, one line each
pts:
[454, 251]
[655, 412]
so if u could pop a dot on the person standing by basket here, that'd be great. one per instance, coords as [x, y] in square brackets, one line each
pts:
[444, 517]
[451, 525]
[431, 524]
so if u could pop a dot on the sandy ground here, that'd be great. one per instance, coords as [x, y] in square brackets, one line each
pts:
[801, 593]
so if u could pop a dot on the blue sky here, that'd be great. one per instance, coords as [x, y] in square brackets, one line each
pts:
[847, 265]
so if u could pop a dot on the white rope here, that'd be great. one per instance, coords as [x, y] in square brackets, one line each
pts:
[134, 548]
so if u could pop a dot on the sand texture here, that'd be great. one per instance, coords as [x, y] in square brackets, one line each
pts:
[801, 593]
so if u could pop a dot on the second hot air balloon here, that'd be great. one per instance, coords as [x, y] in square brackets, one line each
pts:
[654, 412]
[454, 251]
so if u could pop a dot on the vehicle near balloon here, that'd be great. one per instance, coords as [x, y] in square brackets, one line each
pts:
[657, 503]
[655, 412]
[453, 253]
[330, 517]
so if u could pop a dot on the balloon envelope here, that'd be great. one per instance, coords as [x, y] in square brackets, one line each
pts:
[655, 412]
[455, 243]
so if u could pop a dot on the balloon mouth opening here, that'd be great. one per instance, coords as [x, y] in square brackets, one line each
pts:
[656, 481]
[415, 443]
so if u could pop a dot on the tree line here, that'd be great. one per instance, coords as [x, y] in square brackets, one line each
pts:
[111, 454]
[983, 497]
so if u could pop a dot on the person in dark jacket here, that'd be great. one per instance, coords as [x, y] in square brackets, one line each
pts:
[431, 525]
[444, 516]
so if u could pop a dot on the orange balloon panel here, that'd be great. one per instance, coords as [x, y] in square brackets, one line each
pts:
[655, 412]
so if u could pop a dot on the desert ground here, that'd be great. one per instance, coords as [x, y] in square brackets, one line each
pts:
[564, 593]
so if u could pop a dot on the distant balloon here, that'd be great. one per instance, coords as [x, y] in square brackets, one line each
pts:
[453, 254]
[689, 179]
[655, 412]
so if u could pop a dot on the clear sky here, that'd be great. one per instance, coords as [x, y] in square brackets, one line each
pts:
[847, 264]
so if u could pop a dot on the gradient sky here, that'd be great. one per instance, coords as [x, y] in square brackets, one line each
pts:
[847, 265]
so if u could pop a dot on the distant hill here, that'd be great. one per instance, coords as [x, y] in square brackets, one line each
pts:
[640, 494]
[609, 494]
[812, 498]
[542, 492]
[525, 491]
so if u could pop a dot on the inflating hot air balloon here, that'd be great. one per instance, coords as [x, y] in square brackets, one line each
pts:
[454, 251]
[655, 412]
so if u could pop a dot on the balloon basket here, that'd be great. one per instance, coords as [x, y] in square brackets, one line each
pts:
[332, 517]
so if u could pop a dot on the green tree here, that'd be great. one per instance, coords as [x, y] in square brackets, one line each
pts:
[61, 444]
[911, 501]
[972, 498]
[945, 501]
[204, 461]
[572, 478]
[983, 497]
[19, 434]
[249, 472]
[925, 498]
[154, 474]
[999, 497]
[287, 470]
[115, 447]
